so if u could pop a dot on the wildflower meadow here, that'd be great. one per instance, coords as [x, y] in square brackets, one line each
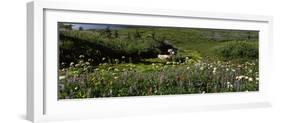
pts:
[102, 60]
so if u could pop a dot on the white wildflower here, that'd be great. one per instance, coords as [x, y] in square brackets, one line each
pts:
[250, 71]
[81, 56]
[250, 79]
[214, 70]
[229, 85]
[116, 69]
[239, 77]
[72, 63]
[77, 65]
[61, 77]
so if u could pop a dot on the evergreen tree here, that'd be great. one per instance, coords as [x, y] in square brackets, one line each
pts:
[108, 32]
[65, 26]
[81, 28]
[129, 36]
[137, 34]
[116, 34]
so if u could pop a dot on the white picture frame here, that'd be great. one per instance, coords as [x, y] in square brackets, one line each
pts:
[42, 103]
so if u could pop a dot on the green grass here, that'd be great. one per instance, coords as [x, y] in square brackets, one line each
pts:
[185, 40]
[94, 64]
[114, 80]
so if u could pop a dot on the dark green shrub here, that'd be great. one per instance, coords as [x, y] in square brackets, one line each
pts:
[239, 49]
[187, 55]
[96, 46]
[191, 54]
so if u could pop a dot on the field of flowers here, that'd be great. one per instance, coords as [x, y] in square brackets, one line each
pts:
[234, 69]
[82, 80]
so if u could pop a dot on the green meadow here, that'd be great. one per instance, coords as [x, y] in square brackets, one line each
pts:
[121, 61]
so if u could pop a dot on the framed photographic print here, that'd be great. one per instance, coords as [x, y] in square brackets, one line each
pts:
[102, 61]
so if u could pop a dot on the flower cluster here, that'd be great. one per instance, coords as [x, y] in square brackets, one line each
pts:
[84, 80]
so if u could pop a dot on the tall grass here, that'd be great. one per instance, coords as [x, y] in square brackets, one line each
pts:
[82, 80]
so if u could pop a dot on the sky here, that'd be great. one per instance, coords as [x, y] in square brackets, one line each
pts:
[97, 26]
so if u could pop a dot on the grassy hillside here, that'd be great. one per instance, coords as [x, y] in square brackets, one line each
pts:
[151, 41]
[124, 61]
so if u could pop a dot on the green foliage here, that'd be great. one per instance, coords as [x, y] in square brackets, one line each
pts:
[96, 46]
[123, 62]
[239, 49]
[82, 80]
[192, 54]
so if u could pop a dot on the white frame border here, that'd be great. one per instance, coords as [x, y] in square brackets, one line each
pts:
[35, 46]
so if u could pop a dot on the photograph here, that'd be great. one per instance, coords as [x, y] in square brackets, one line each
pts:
[98, 60]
